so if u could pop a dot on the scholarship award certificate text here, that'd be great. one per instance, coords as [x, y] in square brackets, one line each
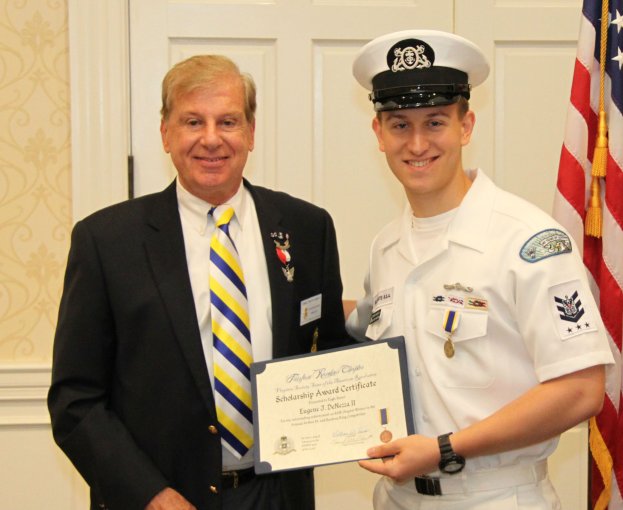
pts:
[331, 406]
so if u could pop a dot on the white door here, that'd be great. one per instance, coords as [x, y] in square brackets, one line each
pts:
[521, 109]
[313, 136]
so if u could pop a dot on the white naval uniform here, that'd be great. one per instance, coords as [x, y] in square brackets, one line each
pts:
[511, 333]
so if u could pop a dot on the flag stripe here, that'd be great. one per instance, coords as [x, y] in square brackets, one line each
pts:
[580, 99]
[567, 181]
[614, 194]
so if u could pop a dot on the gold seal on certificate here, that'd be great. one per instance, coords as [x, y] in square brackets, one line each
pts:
[283, 446]
[326, 407]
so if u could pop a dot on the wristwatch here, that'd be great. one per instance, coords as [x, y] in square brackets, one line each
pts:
[451, 462]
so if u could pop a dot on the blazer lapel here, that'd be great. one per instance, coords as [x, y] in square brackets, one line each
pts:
[281, 290]
[167, 257]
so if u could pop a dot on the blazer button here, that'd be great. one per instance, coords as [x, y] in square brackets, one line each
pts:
[212, 429]
[213, 489]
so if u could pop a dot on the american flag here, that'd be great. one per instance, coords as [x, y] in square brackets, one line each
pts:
[602, 255]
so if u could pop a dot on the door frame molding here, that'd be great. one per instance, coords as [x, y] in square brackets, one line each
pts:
[99, 99]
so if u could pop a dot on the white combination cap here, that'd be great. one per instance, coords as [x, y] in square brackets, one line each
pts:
[419, 68]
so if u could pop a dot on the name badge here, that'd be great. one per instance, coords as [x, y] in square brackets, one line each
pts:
[311, 309]
[383, 298]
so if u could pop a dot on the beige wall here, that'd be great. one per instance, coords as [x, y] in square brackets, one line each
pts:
[35, 175]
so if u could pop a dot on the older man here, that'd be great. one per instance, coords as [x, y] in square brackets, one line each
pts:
[170, 297]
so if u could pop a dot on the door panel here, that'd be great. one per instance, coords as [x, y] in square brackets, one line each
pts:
[521, 108]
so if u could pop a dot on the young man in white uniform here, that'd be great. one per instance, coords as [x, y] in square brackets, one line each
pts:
[506, 348]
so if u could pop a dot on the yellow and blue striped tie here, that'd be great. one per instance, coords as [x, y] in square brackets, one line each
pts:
[231, 336]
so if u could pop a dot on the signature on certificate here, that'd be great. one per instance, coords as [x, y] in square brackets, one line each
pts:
[352, 436]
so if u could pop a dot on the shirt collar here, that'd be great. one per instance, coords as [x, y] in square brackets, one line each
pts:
[469, 225]
[195, 211]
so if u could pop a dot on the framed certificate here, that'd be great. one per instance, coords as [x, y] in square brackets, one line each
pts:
[331, 406]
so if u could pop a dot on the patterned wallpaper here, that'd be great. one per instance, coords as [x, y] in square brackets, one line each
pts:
[35, 175]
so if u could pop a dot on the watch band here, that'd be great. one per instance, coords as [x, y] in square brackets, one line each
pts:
[450, 462]
[445, 447]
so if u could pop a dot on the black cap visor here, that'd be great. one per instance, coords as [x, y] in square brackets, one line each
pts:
[418, 97]
[436, 86]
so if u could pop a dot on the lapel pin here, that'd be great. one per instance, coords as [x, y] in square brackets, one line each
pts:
[457, 286]
[282, 247]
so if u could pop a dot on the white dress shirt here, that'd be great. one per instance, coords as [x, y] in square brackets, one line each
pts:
[244, 229]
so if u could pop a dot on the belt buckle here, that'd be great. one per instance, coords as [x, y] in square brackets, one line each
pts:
[233, 474]
[428, 486]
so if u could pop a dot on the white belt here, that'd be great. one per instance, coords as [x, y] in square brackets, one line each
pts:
[499, 478]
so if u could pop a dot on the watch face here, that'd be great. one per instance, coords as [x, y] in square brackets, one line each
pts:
[453, 467]
[450, 462]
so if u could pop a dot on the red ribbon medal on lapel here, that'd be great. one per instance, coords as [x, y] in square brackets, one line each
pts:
[282, 246]
[283, 255]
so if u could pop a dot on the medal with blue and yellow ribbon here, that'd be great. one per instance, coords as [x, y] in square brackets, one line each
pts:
[386, 435]
[450, 323]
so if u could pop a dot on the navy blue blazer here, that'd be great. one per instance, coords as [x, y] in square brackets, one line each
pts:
[131, 402]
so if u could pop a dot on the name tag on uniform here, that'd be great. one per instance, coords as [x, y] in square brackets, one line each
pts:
[383, 298]
[311, 309]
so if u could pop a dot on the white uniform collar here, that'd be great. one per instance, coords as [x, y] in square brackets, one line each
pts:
[468, 227]
[471, 223]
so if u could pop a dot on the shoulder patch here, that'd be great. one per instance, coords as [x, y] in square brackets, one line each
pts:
[546, 243]
[570, 316]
